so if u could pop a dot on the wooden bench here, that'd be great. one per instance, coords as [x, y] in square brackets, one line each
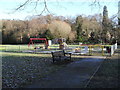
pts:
[60, 55]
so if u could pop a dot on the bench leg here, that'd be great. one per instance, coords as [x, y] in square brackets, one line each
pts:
[53, 60]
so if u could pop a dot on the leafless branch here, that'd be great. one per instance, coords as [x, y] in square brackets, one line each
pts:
[45, 3]
[35, 6]
[95, 3]
[22, 5]
[45, 8]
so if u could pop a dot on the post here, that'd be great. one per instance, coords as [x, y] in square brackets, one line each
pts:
[90, 50]
[49, 42]
[102, 50]
[115, 46]
[112, 51]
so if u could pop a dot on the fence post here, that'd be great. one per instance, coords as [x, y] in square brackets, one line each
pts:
[115, 45]
[102, 50]
[89, 50]
[112, 51]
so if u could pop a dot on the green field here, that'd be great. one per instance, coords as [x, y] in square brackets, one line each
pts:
[25, 47]
[20, 69]
[108, 74]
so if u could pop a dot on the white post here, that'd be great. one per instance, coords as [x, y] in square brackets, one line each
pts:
[49, 42]
[115, 46]
[112, 50]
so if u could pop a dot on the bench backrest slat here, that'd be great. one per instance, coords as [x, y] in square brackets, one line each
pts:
[58, 53]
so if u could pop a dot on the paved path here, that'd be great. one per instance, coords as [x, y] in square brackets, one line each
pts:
[74, 75]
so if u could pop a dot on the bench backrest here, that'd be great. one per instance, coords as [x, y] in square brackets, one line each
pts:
[58, 53]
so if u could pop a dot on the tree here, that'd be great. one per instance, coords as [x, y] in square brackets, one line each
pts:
[36, 3]
[87, 25]
[59, 29]
[105, 24]
[79, 22]
[47, 34]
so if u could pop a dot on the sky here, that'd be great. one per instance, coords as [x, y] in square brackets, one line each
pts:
[67, 8]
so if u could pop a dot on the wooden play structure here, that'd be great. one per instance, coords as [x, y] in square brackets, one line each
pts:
[34, 39]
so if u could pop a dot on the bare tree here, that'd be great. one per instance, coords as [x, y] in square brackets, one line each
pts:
[60, 29]
[45, 3]
[95, 3]
[36, 2]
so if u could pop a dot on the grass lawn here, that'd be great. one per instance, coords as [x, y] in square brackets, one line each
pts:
[21, 69]
[107, 75]
[25, 47]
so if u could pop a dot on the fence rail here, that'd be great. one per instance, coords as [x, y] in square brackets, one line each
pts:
[92, 49]
[15, 48]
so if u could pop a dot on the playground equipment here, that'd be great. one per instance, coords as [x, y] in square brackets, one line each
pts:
[34, 39]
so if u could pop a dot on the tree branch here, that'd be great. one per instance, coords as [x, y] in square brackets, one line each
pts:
[95, 2]
[45, 8]
[22, 5]
[35, 6]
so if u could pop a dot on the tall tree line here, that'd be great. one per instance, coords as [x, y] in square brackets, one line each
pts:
[86, 29]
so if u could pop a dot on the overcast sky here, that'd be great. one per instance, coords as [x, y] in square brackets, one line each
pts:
[57, 7]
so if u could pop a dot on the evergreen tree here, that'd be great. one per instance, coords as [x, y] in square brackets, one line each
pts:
[105, 24]
[79, 22]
